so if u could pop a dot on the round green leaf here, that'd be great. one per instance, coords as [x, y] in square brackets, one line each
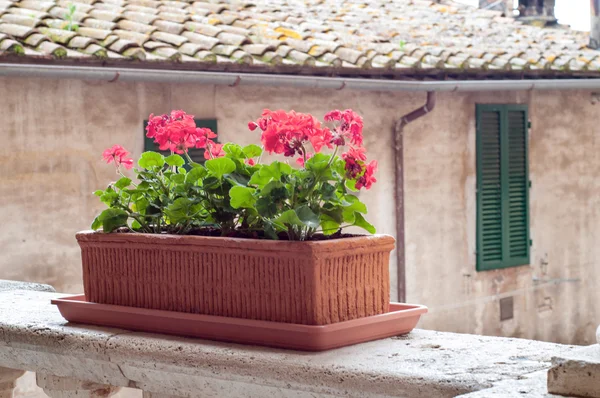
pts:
[359, 221]
[307, 216]
[220, 166]
[329, 226]
[195, 174]
[174, 160]
[123, 182]
[242, 197]
[252, 151]
[290, 217]
[149, 160]
[112, 219]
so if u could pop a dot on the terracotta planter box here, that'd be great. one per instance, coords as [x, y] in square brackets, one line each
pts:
[313, 283]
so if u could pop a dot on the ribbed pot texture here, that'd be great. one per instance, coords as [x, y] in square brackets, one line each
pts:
[313, 283]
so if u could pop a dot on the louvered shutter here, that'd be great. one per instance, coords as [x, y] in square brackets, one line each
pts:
[518, 187]
[196, 154]
[502, 187]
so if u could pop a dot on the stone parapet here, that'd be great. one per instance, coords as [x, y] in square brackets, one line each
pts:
[80, 360]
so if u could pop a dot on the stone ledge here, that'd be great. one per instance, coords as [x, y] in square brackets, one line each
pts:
[6, 285]
[576, 373]
[33, 336]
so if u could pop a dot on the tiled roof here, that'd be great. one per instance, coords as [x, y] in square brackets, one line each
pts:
[393, 37]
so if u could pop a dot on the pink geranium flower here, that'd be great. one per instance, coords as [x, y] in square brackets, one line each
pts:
[118, 155]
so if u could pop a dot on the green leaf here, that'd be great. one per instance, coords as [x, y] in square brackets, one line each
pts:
[180, 210]
[329, 225]
[353, 203]
[195, 174]
[123, 182]
[141, 205]
[336, 214]
[98, 192]
[266, 207]
[96, 224]
[242, 197]
[317, 163]
[271, 172]
[175, 160]
[177, 178]
[252, 151]
[289, 217]
[327, 191]
[112, 219]
[220, 166]
[143, 186]
[351, 185]
[238, 179]
[348, 216]
[307, 216]
[234, 151]
[136, 226]
[149, 160]
[270, 231]
[108, 197]
[362, 223]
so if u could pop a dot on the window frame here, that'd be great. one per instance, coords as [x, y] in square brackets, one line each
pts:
[503, 111]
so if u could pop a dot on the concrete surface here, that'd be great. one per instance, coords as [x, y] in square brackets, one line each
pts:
[56, 130]
[576, 373]
[33, 336]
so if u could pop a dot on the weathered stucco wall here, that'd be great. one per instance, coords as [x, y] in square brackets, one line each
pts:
[54, 132]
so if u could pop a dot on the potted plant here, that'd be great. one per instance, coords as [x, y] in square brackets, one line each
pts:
[238, 237]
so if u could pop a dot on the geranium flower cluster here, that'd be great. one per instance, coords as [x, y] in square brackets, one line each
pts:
[118, 155]
[177, 132]
[289, 133]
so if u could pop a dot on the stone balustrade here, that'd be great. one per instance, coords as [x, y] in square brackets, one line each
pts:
[85, 361]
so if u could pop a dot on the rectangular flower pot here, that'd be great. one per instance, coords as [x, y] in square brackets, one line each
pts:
[311, 283]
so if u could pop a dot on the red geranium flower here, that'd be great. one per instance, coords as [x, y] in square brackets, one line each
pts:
[118, 155]
[213, 151]
[367, 179]
[349, 127]
[288, 133]
[177, 132]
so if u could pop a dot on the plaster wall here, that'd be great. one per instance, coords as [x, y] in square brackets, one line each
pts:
[54, 131]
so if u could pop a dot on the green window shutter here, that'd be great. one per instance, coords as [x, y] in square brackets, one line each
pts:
[196, 154]
[502, 187]
[518, 186]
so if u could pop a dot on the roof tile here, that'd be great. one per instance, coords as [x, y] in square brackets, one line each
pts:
[98, 34]
[18, 31]
[99, 24]
[20, 20]
[136, 26]
[139, 38]
[140, 17]
[402, 35]
[35, 39]
[202, 28]
[169, 27]
[169, 38]
[206, 42]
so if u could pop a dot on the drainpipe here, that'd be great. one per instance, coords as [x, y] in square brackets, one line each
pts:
[595, 24]
[399, 185]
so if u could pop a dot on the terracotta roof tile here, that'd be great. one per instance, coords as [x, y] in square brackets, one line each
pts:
[402, 35]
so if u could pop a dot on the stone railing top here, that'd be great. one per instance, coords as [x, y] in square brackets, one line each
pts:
[18, 285]
[33, 336]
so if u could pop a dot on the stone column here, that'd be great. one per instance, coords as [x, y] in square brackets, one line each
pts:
[65, 387]
[8, 379]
